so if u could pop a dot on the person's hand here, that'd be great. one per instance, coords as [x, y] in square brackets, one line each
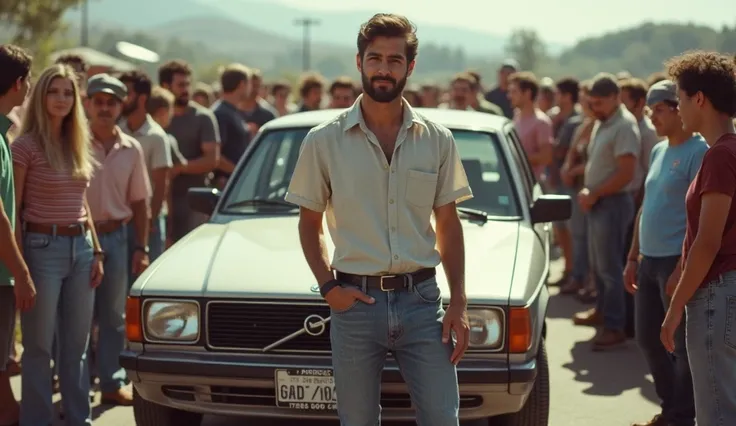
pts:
[456, 319]
[140, 262]
[671, 321]
[586, 199]
[630, 273]
[567, 178]
[98, 271]
[25, 292]
[342, 298]
[672, 282]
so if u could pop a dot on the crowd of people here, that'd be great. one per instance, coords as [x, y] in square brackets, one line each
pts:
[94, 172]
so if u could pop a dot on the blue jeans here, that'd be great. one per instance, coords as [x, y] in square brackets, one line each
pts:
[409, 324]
[110, 300]
[61, 268]
[579, 231]
[671, 373]
[156, 243]
[711, 345]
[608, 223]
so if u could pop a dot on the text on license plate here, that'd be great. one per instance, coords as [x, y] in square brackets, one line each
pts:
[306, 389]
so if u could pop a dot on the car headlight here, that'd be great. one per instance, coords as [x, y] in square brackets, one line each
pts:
[171, 321]
[486, 328]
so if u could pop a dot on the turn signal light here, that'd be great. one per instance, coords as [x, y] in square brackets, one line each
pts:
[520, 330]
[133, 326]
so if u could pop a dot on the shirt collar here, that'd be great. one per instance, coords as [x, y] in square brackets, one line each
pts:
[615, 116]
[143, 130]
[354, 116]
[5, 123]
[121, 139]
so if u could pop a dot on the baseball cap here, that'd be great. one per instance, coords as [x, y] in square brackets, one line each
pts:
[663, 91]
[510, 64]
[105, 83]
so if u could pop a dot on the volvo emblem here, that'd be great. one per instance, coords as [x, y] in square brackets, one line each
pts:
[314, 325]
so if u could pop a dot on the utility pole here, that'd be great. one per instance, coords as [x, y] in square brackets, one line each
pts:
[306, 24]
[85, 23]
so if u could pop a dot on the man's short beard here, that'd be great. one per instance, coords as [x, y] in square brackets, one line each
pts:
[381, 96]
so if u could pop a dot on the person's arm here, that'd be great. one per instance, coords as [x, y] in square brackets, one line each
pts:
[210, 148]
[310, 190]
[633, 255]
[161, 163]
[717, 186]
[10, 253]
[626, 149]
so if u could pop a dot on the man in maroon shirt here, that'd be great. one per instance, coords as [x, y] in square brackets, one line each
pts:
[706, 84]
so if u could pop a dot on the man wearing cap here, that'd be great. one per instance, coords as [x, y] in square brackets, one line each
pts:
[653, 267]
[608, 198]
[499, 95]
[119, 193]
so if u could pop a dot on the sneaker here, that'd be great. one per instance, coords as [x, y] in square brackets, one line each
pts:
[657, 420]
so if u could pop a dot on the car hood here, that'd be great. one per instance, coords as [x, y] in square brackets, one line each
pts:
[262, 258]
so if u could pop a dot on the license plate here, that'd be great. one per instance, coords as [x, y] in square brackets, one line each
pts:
[306, 389]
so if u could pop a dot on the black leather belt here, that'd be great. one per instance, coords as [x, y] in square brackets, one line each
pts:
[396, 282]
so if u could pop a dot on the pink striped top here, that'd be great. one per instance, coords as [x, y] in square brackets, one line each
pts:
[48, 196]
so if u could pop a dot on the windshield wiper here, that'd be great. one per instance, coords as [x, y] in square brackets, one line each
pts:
[475, 214]
[256, 203]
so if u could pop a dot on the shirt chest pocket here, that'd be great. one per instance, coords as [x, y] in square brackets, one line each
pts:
[421, 188]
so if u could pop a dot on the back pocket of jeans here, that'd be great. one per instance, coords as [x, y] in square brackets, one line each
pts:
[729, 337]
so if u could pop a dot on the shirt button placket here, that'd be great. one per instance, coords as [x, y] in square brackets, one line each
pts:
[393, 213]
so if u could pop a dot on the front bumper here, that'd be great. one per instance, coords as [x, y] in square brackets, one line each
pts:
[244, 385]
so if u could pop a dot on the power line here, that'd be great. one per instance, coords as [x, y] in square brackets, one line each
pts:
[306, 24]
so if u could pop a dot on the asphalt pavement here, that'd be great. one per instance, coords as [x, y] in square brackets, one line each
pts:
[587, 388]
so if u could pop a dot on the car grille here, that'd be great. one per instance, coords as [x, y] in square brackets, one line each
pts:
[251, 326]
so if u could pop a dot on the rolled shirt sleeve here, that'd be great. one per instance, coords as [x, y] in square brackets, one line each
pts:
[628, 141]
[310, 183]
[452, 183]
[160, 153]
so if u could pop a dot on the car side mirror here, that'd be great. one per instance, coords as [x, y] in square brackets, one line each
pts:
[203, 200]
[551, 208]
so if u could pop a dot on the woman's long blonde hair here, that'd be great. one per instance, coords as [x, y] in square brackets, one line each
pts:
[74, 151]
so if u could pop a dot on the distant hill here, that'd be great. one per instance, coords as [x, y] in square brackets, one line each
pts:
[275, 19]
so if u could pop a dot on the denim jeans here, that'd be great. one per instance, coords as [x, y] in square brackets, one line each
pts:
[156, 243]
[409, 324]
[711, 346]
[579, 232]
[110, 310]
[671, 373]
[61, 268]
[608, 223]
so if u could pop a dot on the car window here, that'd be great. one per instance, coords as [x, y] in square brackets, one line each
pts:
[265, 175]
[522, 163]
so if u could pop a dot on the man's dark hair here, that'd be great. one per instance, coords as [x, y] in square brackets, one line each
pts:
[309, 82]
[604, 85]
[711, 73]
[569, 86]
[141, 82]
[527, 81]
[15, 63]
[167, 71]
[477, 79]
[342, 83]
[232, 76]
[389, 25]
[279, 86]
[636, 88]
[77, 62]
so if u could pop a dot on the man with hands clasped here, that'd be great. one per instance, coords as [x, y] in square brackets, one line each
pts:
[380, 170]
[654, 265]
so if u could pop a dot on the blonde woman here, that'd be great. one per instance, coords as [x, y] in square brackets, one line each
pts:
[53, 165]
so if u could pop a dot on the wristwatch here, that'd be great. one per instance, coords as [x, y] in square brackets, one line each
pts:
[328, 286]
[144, 249]
[99, 253]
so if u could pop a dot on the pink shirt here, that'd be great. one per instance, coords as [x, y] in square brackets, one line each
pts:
[49, 196]
[534, 132]
[120, 180]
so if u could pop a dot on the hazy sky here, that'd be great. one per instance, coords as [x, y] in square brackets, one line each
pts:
[551, 18]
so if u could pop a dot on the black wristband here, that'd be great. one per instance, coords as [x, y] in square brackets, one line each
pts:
[328, 286]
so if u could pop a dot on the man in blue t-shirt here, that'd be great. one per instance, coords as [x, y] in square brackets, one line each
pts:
[653, 267]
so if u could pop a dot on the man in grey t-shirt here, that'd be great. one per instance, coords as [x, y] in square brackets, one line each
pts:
[607, 198]
[195, 129]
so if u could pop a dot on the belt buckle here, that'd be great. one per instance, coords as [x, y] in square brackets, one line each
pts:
[386, 277]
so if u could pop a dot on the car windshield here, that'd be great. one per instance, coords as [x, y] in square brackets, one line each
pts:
[261, 185]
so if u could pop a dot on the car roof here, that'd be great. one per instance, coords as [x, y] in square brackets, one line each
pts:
[450, 118]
